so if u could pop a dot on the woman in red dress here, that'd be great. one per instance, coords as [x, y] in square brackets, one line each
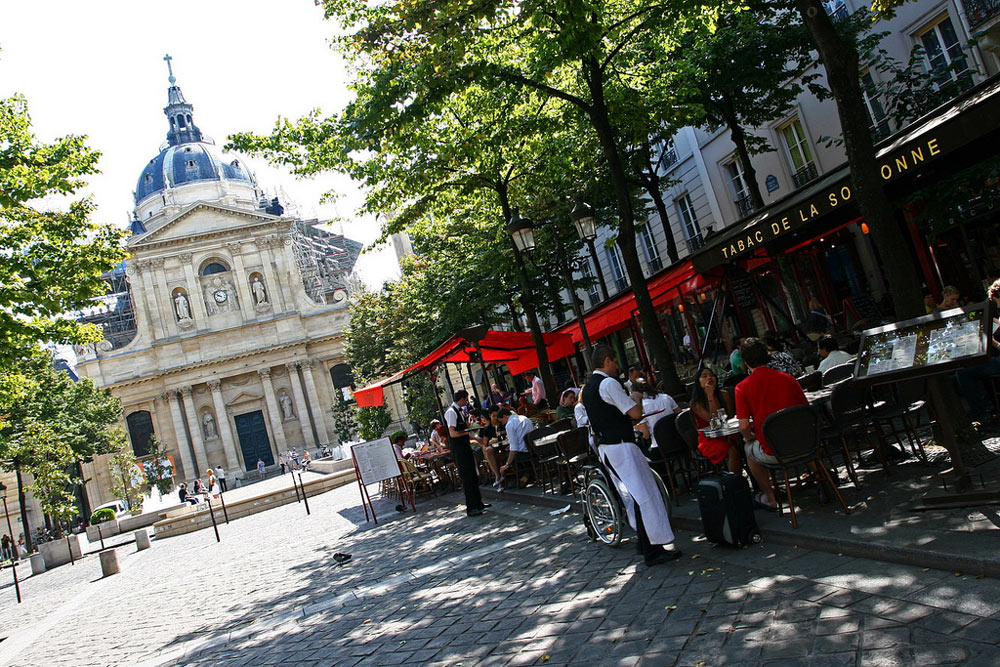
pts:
[706, 400]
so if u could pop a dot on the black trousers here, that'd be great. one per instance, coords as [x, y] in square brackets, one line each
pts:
[645, 548]
[466, 464]
[222, 484]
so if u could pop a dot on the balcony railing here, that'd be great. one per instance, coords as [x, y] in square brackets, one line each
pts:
[744, 205]
[804, 175]
[669, 157]
[694, 243]
[980, 11]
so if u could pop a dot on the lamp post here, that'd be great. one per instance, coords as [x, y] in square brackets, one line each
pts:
[566, 266]
[585, 222]
[13, 543]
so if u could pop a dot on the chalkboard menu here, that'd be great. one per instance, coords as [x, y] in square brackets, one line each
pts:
[742, 290]
[866, 308]
[936, 343]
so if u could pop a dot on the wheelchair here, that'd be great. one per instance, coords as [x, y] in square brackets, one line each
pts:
[603, 508]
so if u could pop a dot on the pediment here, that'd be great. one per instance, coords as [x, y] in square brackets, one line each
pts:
[244, 397]
[201, 219]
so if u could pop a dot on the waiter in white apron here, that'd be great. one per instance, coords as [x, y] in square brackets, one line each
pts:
[612, 412]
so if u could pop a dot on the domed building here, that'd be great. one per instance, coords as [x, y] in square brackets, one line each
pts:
[223, 328]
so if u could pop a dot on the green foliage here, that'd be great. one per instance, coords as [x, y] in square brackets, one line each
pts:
[421, 404]
[102, 515]
[51, 461]
[53, 259]
[127, 481]
[344, 423]
[157, 467]
[373, 421]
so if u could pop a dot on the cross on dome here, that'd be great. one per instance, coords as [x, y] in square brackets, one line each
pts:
[170, 70]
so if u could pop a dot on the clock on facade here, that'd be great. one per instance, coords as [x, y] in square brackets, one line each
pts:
[221, 296]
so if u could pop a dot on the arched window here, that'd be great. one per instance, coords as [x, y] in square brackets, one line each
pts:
[140, 429]
[342, 376]
[180, 122]
[214, 267]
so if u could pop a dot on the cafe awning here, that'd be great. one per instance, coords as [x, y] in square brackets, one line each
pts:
[516, 349]
[617, 312]
[970, 118]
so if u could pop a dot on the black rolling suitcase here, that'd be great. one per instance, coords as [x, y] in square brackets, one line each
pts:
[726, 504]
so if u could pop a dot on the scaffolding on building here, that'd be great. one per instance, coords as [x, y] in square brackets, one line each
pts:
[325, 259]
[113, 312]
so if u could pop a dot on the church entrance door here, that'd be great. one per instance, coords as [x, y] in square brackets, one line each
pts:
[252, 432]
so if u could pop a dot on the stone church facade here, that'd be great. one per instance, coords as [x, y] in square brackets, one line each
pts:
[233, 348]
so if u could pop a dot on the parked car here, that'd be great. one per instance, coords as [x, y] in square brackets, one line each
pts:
[117, 506]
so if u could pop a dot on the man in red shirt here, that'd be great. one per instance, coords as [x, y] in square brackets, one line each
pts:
[760, 395]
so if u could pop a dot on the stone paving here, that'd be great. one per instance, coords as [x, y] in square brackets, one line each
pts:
[517, 586]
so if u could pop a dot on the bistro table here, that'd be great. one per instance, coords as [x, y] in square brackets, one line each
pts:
[550, 438]
[730, 428]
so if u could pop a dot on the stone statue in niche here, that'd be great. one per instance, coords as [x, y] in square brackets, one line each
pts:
[286, 406]
[259, 292]
[182, 307]
[209, 427]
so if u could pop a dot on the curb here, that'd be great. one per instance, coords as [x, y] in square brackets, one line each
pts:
[902, 555]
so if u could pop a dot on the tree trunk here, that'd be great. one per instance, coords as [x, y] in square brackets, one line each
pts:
[652, 184]
[749, 171]
[841, 60]
[652, 332]
[544, 371]
[22, 503]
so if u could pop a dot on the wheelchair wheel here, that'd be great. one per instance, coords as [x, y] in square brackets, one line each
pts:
[605, 513]
[666, 496]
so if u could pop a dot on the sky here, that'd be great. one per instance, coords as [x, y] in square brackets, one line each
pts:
[96, 68]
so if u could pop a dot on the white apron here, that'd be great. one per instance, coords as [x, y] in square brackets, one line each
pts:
[634, 480]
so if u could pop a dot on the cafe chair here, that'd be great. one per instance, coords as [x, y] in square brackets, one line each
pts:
[793, 434]
[686, 428]
[838, 374]
[730, 382]
[574, 453]
[418, 481]
[900, 403]
[849, 405]
[811, 381]
[674, 453]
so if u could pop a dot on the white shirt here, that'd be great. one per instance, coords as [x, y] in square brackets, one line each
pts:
[663, 402]
[537, 390]
[451, 415]
[580, 414]
[220, 473]
[687, 340]
[613, 393]
[835, 358]
[517, 427]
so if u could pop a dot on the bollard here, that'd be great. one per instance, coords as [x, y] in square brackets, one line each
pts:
[141, 539]
[37, 563]
[109, 562]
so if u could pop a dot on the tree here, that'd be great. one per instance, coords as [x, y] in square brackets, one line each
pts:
[344, 423]
[53, 484]
[127, 481]
[373, 421]
[53, 259]
[157, 468]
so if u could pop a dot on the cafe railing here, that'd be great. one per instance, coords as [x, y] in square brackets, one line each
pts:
[981, 11]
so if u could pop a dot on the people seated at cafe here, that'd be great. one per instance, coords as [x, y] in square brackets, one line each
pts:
[830, 353]
[820, 321]
[438, 434]
[930, 303]
[656, 405]
[950, 298]
[973, 380]
[781, 360]
[498, 397]
[398, 440]
[517, 427]
[759, 396]
[707, 399]
[736, 366]
[486, 439]
[526, 408]
[634, 374]
[536, 390]
[567, 403]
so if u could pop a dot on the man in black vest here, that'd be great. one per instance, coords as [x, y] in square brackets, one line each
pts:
[461, 449]
[612, 412]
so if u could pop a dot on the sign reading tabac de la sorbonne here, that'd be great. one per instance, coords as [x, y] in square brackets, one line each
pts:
[971, 119]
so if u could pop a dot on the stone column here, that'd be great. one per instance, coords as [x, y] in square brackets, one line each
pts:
[188, 468]
[225, 432]
[242, 290]
[200, 455]
[134, 270]
[273, 411]
[300, 404]
[319, 414]
[195, 294]
[162, 296]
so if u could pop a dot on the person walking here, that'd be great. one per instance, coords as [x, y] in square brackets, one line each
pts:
[220, 474]
[6, 552]
[262, 469]
[461, 449]
[281, 462]
[612, 412]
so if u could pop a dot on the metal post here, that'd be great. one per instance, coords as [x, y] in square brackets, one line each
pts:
[69, 548]
[211, 513]
[100, 534]
[296, 487]
[13, 548]
[225, 513]
[597, 267]
[304, 498]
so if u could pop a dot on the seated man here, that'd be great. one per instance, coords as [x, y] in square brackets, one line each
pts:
[483, 438]
[759, 396]
[830, 353]
[182, 493]
[970, 379]
[567, 403]
[516, 426]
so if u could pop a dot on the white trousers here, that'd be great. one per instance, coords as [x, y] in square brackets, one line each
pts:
[634, 481]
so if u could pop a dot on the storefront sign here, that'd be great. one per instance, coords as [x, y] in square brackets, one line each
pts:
[771, 183]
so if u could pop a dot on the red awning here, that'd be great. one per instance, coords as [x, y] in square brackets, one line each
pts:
[514, 348]
[616, 313]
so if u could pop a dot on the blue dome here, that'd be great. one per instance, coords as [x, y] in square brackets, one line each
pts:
[189, 163]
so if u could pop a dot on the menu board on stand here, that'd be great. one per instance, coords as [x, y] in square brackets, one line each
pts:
[375, 461]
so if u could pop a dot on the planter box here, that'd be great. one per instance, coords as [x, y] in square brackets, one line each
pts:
[55, 552]
[108, 528]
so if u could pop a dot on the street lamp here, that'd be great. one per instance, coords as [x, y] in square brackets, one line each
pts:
[522, 231]
[585, 222]
[13, 543]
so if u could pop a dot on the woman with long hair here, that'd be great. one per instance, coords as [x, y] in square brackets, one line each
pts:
[706, 400]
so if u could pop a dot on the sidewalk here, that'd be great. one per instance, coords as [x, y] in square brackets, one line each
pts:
[882, 524]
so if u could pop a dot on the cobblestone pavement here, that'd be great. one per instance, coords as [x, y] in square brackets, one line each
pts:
[516, 586]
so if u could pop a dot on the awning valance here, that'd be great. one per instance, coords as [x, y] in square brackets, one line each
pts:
[516, 349]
